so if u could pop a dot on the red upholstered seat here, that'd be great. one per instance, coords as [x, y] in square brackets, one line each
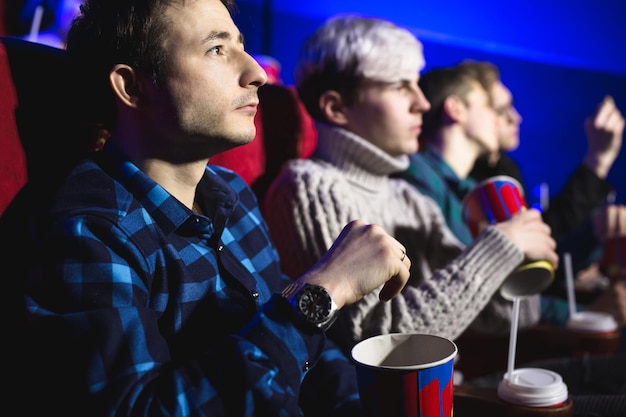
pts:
[3, 13]
[12, 158]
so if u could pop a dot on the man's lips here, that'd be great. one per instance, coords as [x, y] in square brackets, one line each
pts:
[250, 106]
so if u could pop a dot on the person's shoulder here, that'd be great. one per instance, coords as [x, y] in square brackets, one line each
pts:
[302, 170]
[304, 164]
[89, 188]
[417, 158]
[86, 191]
[229, 182]
[423, 175]
[50, 39]
[424, 163]
[300, 177]
[227, 174]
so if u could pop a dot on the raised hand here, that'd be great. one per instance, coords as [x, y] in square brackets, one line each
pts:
[605, 132]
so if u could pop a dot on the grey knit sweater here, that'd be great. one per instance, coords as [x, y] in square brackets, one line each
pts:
[347, 178]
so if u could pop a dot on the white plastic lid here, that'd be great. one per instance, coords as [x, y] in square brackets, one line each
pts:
[591, 321]
[533, 387]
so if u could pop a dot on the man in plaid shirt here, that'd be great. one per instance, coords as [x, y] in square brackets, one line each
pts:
[150, 283]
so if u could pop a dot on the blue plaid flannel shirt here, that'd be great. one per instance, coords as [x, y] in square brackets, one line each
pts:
[138, 306]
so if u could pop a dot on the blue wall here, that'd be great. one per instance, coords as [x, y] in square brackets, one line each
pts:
[559, 58]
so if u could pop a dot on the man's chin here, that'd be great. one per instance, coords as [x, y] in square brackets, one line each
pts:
[233, 141]
[240, 140]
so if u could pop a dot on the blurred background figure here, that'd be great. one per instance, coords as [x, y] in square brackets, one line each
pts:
[587, 188]
[42, 21]
[368, 106]
[576, 213]
[459, 128]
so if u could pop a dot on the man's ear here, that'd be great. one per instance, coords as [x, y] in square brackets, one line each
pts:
[333, 107]
[125, 83]
[453, 108]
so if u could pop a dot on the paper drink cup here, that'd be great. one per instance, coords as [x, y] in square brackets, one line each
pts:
[533, 387]
[405, 375]
[591, 321]
[598, 333]
[494, 200]
[613, 260]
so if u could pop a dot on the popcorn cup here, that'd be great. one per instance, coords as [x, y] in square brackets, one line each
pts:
[405, 375]
[494, 200]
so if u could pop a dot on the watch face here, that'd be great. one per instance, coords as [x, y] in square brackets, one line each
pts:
[315, 304]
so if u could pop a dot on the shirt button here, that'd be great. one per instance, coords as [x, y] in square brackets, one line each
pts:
[220, 248]
[306, 366]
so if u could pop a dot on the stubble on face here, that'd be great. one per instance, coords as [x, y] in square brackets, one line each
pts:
[203, 85]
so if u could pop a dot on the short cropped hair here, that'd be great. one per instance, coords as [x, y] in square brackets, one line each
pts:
[110, 32]
[348, 49]
[486, 73]
[437, 85]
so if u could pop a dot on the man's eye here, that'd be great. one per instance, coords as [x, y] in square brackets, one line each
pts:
[216, 50]
[397, 87]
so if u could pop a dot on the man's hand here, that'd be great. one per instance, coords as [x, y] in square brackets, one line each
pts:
[363, 258]
[531, 235]
[605, 131]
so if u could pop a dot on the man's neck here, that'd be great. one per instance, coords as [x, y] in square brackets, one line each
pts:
[180, 180]
[460, 154]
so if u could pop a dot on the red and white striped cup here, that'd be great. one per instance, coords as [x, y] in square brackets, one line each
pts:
[494, 200]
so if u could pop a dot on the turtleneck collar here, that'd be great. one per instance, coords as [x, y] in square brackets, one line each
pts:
[355, 155]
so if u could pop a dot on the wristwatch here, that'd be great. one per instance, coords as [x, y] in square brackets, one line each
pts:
[313, 304]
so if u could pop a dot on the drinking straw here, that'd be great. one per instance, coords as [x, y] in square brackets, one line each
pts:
[610, 199]
[36, 23]
[544, 196]
[569, 276]
[513, 337]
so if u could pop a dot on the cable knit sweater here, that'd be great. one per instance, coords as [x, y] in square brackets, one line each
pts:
[348, 178]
